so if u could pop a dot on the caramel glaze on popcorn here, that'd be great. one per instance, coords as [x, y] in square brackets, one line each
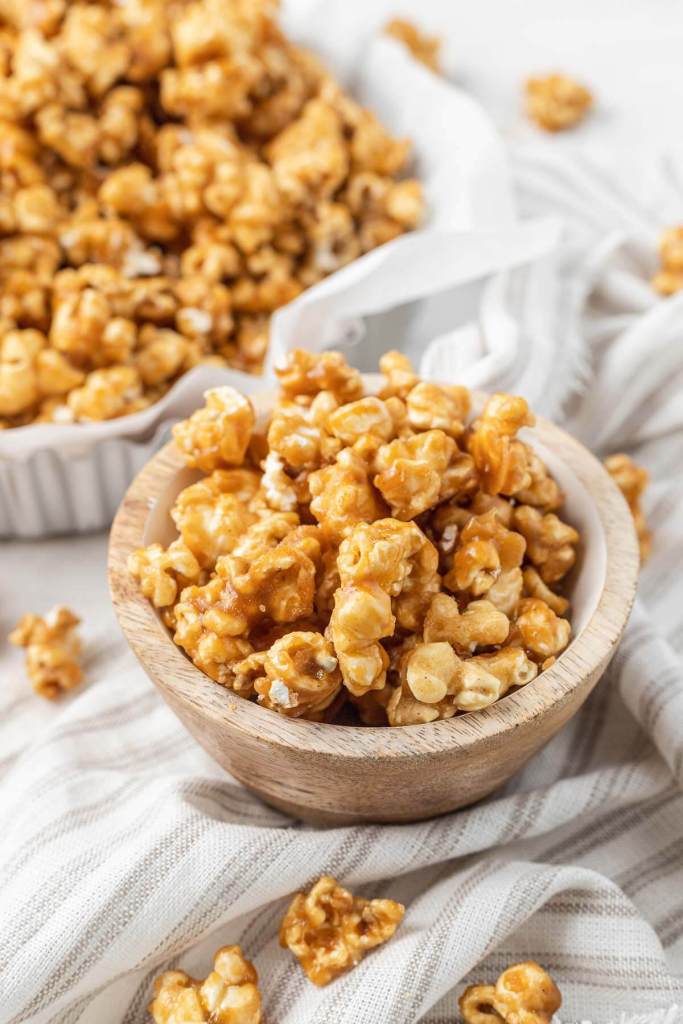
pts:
[632, 480]
[523, 994]
[171, 172]
[423, 47]
[379, 559]
[52, 651]
[669, 278]
[329, 930]
[557, 102]
[228, 995]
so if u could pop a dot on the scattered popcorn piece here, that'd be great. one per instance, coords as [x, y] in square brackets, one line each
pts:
[632, 481]
[557, 102]
[329, 930]
[669, 279]
[423, 47]
[52, 651]
[523, 994]
[228, 995]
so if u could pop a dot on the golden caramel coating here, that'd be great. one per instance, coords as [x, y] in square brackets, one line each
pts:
[543, 633]
[669, 279]
[551, 544]
[329, 930]
[228, 995]
[399, 558]
[533, 586]
[430, 671]
[361, 617]
[342, 495]
[632, 481]
[506, 592]
[214, 514]
[306, 373]
[480, 625]
[302, 676]
[163, 574]
[420, 471]
[293, 585]
[367, 421]
[557, 102]
[398, 373]
[298, 436]
[423, 47]
[431, 407]
[172, 173]
[484, 550]
[106, 394]
[52, 651]
[218, 435]
[500, 459]
[542, 492]
[523, 994]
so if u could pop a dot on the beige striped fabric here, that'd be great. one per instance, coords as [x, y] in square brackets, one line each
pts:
[124, 850]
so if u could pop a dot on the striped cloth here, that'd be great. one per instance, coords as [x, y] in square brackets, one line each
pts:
[124, 850]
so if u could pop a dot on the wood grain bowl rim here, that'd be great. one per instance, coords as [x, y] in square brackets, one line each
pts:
[181, 682]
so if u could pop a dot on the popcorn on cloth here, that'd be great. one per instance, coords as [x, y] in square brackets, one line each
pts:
[523, 994]
[557, 102]
[228, 995]
[632, 480]
[171, 174]
[423, 47]
[346, 555]
[669, 279]
[52, 651]
[329, 930]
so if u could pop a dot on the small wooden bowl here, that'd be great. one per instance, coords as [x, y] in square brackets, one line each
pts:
[335, 774]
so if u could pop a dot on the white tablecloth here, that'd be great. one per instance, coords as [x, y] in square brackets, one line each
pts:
[125, 850]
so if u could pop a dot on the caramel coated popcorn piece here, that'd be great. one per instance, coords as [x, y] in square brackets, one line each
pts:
[544, 634]
[523, 994]
[423, 47]
[329, 930]
[302, 675]
[431, 407]
[551, 544]
[557, 102]
[306, 373]
[163, 574]
[632, 481]
[228, 995]
[218, 435]
[52, 651]
[342, 494]
[481, 624]
[416, 473]
[669, 279]
[501, 460]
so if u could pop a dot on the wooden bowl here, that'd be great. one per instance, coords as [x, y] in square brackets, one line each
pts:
[336, 774]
